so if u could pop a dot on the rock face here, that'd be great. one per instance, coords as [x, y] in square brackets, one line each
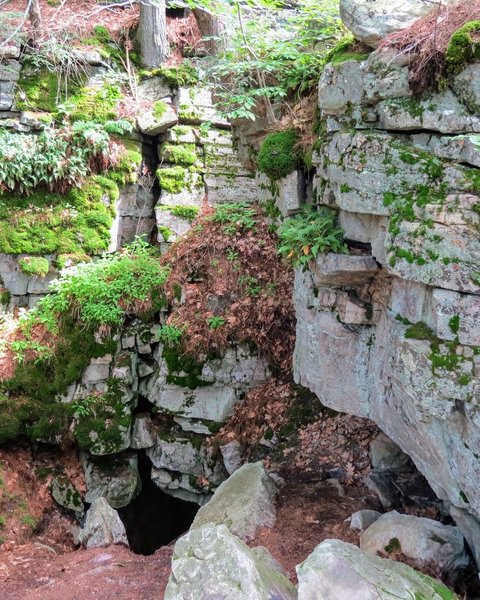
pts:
[212, 564]
[425, 541]
[390, 332]
[103, 526]
[244, 502]
[336, 571]
[370, 22]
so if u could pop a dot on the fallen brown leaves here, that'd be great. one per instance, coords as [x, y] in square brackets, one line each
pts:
[239, 278]
[425, 42]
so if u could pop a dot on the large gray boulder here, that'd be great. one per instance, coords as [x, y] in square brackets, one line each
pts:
[103, 527]
[153, 122]
[116, 479]
[425, 541]
[212, 564]
[244, 502]
[337, 570]
[371, 21]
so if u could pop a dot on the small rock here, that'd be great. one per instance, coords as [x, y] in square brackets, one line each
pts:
[103, 527]
[386, 455]
[65, 494]
[232, 456]
[144, 434]
[149, 124]
[362, 519]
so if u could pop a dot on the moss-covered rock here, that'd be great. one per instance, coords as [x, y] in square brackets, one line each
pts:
[464, 47]
[34, 265]
[279, 154]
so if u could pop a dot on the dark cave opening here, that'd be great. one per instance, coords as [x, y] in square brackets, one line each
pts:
[154, 519]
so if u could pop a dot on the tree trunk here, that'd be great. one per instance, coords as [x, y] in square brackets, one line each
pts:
[210, 26]
[35, 17]
[152, 33]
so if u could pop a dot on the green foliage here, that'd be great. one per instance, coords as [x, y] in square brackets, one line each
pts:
[183, 370]
[165, 232]
[420, 331]
[279, 154]
[267, 61]
[393, 546]
[215, 322]
[103, 292]
[309, 233]
[171, 334]
[55, 159]
[189, 213]
[235, 216]
[454, 324]
[34, 265]
[464, 47]
[76, 223]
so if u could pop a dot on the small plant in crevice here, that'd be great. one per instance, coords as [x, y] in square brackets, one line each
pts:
[215, 322]
[310, 233]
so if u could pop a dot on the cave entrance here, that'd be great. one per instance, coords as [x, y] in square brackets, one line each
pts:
[153, 519]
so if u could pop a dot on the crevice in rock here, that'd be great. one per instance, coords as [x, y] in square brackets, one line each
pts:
[154, 519]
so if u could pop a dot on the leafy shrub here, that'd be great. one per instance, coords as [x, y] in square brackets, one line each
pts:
[309, 233]
[55, 160]
[102, 292]
[171, 334]
[235, 216]
[279, 154]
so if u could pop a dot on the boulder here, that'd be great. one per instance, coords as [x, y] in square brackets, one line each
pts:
[370, 22]
[244, 502]
[65, 494]
[337, 570]
[210, 563]
[150, 124]
[103, 527]
[114, 478]
[143, 434]
[425, 541]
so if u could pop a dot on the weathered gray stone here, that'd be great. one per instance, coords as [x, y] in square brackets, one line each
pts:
[153, 89]
[149, 124]
[362, 519]
[210, 563]
[232, 456]
[467, 87]
[181, 135]
[337, 570]
[386, 455]
[143, 433]
[87, 56]
[371, 22]
[343, 269]
[181, 485]
[222, 189]
[10, 70]
[195, 105]
[65, 494]
[177, 455]
[176, 226]
[462, 308]
[425, 541]
[470, 527]
[116, 479]
[244, 502]
[194, 425]
[103, 527]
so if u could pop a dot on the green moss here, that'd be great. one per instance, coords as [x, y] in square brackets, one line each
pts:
[173, 179]
[345, 50]
[128, 167]
[183, 370]
[34, 265]
[420, 331]
[165, 232]
[37, 90]
[393, 546]
[279, 154]
[159, 109]
[179, 154]
[5, 296]
[180, 75]
[95, 103]
[101, 421]
[454, 324]
[463, 47]
[189, 213]
[75, 223]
